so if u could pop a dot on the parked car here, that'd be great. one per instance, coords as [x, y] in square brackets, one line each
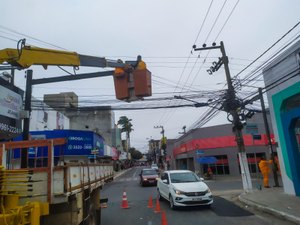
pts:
[154, 166]
[148, 177]
[183, 188]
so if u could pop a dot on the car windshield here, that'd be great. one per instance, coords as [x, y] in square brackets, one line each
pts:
[183, 177]
[149, 172]
[154, 165]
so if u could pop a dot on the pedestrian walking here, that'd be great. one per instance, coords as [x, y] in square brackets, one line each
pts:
[264, 166]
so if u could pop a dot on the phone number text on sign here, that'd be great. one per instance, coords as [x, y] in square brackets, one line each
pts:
[11, 129]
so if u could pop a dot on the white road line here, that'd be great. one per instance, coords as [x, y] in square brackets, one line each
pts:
[128, 179]
[134, 173]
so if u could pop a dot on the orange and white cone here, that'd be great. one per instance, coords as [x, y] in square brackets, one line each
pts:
[124, 201]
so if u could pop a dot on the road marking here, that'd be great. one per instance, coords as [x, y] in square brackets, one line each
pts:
[128, 179]
[134, 173]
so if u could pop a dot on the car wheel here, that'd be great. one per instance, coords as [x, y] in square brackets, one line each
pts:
[172, 206]
[159, 195]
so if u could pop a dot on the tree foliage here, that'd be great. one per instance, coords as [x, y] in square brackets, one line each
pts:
[135, 154]
[125, 123]
[126, 126]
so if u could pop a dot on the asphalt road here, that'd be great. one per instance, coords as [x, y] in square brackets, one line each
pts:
[222, 212]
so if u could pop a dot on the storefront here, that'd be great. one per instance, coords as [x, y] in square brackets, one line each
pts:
[214, 148]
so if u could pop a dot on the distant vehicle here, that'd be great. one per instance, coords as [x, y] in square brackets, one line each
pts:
[183, 188]
[148, 177]
[154, 166]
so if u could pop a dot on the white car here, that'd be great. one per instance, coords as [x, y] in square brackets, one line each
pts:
[154, 166]
[183, 188]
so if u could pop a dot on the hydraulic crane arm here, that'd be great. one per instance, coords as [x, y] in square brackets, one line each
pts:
[28, 56]
[132, 79]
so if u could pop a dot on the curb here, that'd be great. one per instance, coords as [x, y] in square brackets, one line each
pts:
[269, 210]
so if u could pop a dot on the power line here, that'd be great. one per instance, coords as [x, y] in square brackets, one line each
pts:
[181, 75]
[215, 21]
[267, 50]
[31, 37]
[202, 24]
[251, 77]
[216, 37]
[227, 20]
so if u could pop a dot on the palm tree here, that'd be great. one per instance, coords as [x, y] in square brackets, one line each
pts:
[126, 127]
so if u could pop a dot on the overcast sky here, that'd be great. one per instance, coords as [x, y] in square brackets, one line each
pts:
[163, 32]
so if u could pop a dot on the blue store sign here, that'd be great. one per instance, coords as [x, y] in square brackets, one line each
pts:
[79, 143]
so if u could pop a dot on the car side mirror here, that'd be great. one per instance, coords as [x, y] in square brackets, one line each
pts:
[201, 179]
[165, 181]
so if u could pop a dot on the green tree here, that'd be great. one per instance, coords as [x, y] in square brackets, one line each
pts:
[126, 126]
[135, 154]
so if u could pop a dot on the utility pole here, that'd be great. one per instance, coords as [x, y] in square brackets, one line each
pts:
[162, 156]
[162, 130]
[232, 106]
[263, 108]
[26, 122]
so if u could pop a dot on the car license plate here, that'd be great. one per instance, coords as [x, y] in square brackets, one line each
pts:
[151, 181]
[196, 199]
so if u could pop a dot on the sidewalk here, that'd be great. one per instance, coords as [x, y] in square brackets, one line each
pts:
[274, 201]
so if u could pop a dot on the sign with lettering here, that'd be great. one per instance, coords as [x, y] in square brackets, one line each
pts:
[10, 107]
[199, 152]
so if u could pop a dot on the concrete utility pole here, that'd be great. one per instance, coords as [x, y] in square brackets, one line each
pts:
[162, 156]
[162, 130]
[232, 106]
[263, 108]
[26, 122]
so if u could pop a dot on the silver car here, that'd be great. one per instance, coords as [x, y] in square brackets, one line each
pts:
[183, 188]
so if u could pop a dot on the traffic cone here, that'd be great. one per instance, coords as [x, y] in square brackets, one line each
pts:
[164, 218]
[150, 203]
[124, 201]
[157, 208]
